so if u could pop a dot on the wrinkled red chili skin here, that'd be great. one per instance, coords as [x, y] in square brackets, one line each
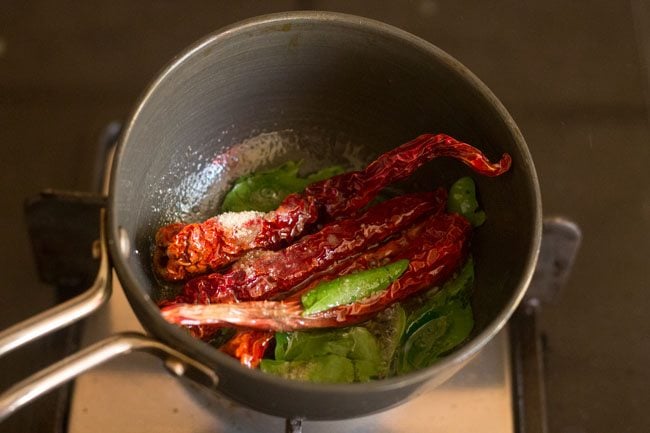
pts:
[249, 346]
[343, 194]
[435, 248]
[262, 274]
[433, 259]
[436, 258]
[395, 249]
[184, 251]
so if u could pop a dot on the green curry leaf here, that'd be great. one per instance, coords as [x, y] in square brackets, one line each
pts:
[264, 191]
[462, 200]
[339, 355]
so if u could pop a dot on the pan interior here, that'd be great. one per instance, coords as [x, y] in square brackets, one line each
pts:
[320, 91]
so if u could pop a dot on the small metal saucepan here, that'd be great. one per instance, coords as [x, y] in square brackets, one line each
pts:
[319, 87]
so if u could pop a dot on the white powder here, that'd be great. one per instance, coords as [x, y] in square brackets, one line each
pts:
[237, 224]
[235, 220]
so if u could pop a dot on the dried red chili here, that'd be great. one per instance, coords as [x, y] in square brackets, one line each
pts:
[433, 257]
[262, 274]
[183, 251]
[249, 346]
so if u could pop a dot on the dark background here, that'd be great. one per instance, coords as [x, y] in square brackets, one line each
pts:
[573, 74]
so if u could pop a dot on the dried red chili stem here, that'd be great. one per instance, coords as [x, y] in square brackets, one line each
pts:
[433, 258]
[262, 274]
[183, 251]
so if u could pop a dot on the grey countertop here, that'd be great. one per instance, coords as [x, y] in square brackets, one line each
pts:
[573, 74]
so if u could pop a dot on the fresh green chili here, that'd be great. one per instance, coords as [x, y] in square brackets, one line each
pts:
[352, 287]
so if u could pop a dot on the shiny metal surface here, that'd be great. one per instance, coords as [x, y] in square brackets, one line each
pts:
[97, 354]
[66, 369]
[66, 313]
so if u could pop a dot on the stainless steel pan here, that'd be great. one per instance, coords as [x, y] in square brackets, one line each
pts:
[330, 88]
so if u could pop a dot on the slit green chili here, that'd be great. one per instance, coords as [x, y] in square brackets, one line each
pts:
[352, 287]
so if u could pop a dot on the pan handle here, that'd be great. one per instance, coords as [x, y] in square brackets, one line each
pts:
[74, 365]
[66, 313]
